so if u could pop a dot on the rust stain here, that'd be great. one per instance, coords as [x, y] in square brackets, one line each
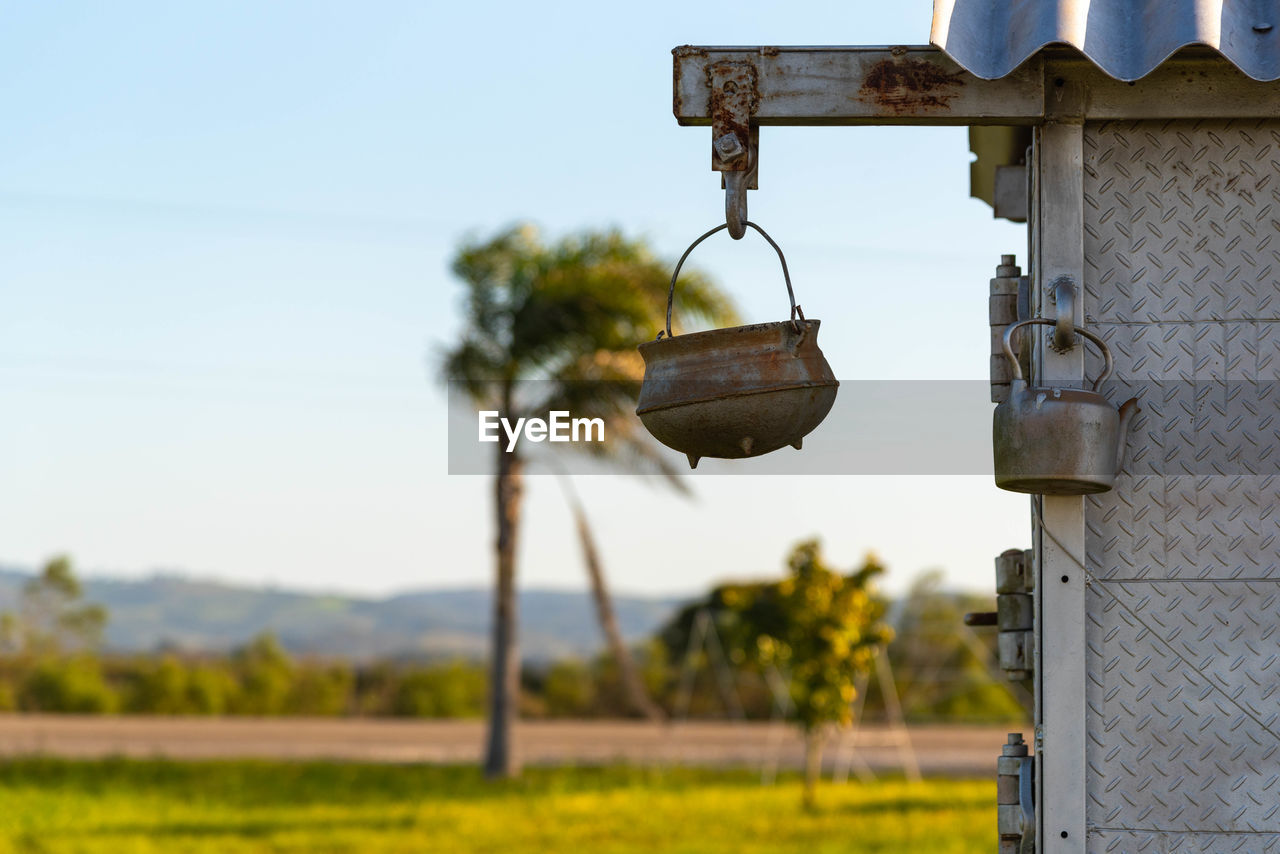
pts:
[906, 85]
[677, 103]
[733, 100]
[769, 51]
[686, 50]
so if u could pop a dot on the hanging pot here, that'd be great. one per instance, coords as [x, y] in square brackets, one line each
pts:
[1058, 441]
[736, 392]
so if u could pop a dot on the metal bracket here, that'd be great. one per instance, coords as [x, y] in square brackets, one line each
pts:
[735, 143]
[1027, 804]
[1064, 302]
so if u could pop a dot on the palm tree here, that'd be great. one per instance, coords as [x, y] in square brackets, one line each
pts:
[555, 328]
[632, 684]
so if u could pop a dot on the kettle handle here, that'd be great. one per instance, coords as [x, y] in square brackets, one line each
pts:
[1108, 364]
[791, 294]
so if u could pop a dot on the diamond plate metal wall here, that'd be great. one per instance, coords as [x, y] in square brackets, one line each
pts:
[1182, 249]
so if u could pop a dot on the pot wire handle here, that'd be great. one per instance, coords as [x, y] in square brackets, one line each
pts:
[1108, 363]
[786, 275]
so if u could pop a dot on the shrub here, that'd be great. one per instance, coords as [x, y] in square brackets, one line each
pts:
[568, 689]
[455, 690]
[265, 676]
[67, 685]
[159, 688]
[321, 690]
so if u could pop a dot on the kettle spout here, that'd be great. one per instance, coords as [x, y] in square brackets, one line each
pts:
[1127, 410]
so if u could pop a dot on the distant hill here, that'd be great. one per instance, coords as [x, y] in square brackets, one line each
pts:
[205, 616]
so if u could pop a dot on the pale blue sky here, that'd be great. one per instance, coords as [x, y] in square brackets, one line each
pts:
[225, 231]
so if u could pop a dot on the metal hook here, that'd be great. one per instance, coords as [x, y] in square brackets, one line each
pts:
[737, 183]
[735, 203]
[1064, 300]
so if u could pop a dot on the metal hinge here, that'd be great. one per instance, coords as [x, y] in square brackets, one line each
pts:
[1015, 797]
[1008, 303]
[1014, 615]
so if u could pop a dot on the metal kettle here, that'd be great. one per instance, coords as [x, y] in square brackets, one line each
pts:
[1058, 441]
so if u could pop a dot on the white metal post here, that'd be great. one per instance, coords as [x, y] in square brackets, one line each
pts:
[1060, 588]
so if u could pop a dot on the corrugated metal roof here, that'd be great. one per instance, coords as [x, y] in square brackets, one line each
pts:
[1125, 38]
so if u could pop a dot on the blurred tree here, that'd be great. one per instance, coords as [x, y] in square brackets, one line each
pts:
[211, 689]
[945, 670]
[820, 628]
[569, 690]
[568, 317]
[160, 688]
[633, 685]
[676, 633]
[453, 690]
[265, 676]
[320, 689]
[721, 680]
[51, 617]
[375, 686]
[655, 668]
[73, 684]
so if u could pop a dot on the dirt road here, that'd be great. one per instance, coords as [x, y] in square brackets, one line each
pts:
[939, 750]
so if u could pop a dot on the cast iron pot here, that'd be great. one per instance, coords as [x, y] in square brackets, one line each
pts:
[737, 392]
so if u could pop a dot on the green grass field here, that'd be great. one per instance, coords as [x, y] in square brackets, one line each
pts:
[120, 807]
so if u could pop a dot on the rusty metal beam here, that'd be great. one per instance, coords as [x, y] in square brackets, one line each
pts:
[922, 86]
[859, 86]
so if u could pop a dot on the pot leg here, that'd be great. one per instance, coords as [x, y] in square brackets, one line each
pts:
[693, 460]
